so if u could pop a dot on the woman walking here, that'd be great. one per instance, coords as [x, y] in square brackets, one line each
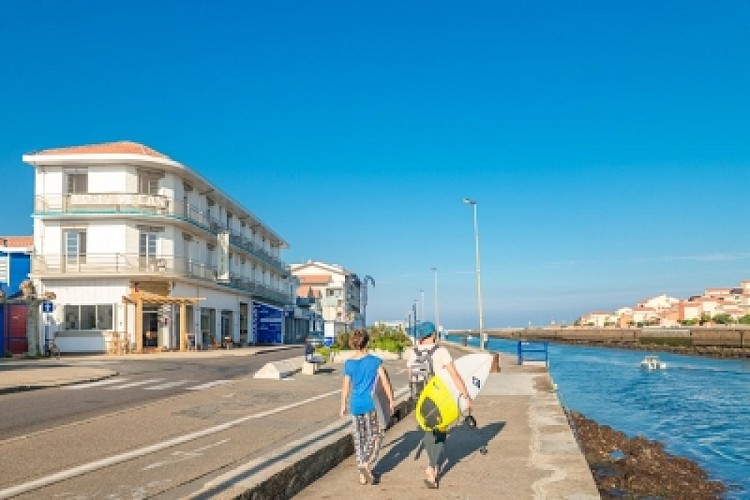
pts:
[360, 373]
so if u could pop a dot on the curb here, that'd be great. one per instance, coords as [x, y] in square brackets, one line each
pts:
[24, 388]
[295, 466]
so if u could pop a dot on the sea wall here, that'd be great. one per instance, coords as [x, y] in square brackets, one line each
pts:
[709, 341]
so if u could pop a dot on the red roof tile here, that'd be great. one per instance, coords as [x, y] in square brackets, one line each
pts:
[16, 241]
[122, 147]
[314, 278]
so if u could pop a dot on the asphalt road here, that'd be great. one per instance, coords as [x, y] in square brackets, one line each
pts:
[139, 382]
[169, 447]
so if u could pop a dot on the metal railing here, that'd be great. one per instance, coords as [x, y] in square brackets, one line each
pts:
[534, 352]
[118, 264]
[149, 204]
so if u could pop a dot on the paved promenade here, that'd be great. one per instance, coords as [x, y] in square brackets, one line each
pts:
[531, 451]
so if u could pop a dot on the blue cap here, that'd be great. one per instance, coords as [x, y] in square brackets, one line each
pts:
[425, 329]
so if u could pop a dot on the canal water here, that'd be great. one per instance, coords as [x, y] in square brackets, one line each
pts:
[698, 407]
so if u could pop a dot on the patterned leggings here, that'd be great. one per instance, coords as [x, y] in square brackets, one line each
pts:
[367, 438]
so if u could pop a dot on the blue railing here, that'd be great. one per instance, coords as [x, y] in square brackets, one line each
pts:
[533, 351]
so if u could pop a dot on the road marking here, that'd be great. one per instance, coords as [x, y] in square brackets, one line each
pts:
[208, 385]
[134, 384]
[130, 455]
[181, 456]
[109, 381]
[167, 385]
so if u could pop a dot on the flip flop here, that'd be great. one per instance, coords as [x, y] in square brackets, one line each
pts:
[433, 485]
[367, 474]
[433, 482]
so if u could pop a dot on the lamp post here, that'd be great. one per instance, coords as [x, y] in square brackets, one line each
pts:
[416, 320]
[437, 309]
[421, 303]
[363, 298]
[473, 203]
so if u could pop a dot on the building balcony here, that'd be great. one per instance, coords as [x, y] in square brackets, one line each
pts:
[102, 202]
[134, 266]
[150, 205]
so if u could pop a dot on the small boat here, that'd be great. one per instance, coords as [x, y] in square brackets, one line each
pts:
[653, 363]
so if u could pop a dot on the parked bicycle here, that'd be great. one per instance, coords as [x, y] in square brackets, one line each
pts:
[50, 348]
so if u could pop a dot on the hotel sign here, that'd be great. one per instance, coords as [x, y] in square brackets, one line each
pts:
[222, 267]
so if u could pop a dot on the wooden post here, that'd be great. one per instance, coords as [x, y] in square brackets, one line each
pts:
[495, 368]
[183, 327]
[139, 324]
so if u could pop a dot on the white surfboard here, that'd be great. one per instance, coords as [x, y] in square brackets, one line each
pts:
[473, 369]
[439, 405]
[382, 405]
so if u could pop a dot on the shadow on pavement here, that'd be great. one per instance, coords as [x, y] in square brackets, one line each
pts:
[463, 442]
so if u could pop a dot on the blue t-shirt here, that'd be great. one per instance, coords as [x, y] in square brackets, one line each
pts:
[362, 373]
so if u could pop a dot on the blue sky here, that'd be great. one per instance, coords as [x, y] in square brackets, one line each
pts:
[606, 143]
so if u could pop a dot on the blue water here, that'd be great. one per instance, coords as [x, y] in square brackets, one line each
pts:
[698, 407]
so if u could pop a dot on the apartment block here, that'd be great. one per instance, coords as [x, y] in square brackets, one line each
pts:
[336, 291]
[144, 253]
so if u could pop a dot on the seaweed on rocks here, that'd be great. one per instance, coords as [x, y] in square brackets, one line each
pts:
[638, 468]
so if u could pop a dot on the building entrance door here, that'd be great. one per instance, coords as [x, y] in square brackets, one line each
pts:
[150, 327]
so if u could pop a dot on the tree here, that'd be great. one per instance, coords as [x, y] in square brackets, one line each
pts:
[723, 319]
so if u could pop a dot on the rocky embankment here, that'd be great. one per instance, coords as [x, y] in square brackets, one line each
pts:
[637, 468]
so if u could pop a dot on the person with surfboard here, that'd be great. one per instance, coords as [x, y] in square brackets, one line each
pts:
[361, 372]
[433, 440]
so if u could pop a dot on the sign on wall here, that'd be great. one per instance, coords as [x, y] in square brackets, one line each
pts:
[222, 267]
[267, 324]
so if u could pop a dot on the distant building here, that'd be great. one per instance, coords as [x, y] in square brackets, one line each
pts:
[668, 311]
[15, 265]
[336, 291]
[143, 252]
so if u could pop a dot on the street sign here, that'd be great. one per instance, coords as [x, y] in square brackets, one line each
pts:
[48, 307]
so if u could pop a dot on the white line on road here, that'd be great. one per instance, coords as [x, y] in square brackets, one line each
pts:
[167, 385]
[130, 455]
[135, 384]
[109, 381]
[181, 456]
[208, 385]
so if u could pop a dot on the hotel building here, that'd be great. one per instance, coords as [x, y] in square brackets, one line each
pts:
[143, 253]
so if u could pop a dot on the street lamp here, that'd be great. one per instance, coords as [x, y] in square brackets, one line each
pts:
[421, 304]
[437, 310]
[473, 203]
[363, 298]
[416, 320]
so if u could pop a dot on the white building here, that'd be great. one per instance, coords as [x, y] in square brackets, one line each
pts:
[140, 248]
[336, 290]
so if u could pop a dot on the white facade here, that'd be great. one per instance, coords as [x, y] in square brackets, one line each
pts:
[115, 219]
[336, 290]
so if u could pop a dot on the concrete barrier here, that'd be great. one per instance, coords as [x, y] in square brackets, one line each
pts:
[280, 369]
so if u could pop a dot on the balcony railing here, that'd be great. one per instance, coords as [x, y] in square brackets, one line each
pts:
[119, 264]
[149, 204]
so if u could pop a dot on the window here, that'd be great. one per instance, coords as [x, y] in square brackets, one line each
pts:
[148, 182]
[77, 182]
[75, 247]
[88, 317]
[147, 246]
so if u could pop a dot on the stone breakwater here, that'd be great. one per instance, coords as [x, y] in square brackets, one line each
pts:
[714, 342]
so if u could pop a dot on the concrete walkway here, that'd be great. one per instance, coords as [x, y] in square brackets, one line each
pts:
[531, 450]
